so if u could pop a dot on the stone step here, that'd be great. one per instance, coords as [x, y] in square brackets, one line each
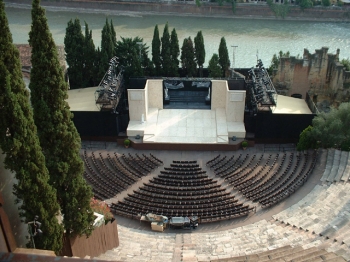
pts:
[312, 253]
[335, 166]
[329, 163]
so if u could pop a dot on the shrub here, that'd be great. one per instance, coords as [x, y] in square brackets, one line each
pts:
[126, 142]
[244, 144]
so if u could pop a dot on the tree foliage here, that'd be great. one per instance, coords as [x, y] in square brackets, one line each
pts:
[346, 64]
[275, 61]
[165, 52]
[214, 67]
[89, 59]
[58, 136]
[73, 45]
[18, 140]
[329, 129]
[304, 4]
[108, 45]
[156, 52]
[306, 140]
[174, 53]
[188, 58]
[199, 51]
[133, 56]
[223, 57]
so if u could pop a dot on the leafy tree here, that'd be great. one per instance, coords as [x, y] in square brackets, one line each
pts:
[156, 51]
[18, 140]
[223, 57]
[304, 4]
[73, 45]
[165, 52]
[58, 136]
[89, 59]
[187, 57]
[306, 140]
[128, 52]
[199, 51]
[214, 67]
[346, 64]
[332, 129]
[326, 2]
[329, 130]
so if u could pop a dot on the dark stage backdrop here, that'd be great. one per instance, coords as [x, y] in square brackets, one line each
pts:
[95, 124]
[279, 128]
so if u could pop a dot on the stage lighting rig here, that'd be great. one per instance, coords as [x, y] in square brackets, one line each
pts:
[263, 96]
[110, 89]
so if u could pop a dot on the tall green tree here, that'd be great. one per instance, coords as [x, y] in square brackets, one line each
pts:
[174, 53]
[214, 67]
[156, 59]
[73, 45]
[19, 141]
[199, 51]
[223, 57]
[113, 35]
[132, 54]
[107, 48]
[58, 136]
[165, 52]
[89, 59]
[187, 57]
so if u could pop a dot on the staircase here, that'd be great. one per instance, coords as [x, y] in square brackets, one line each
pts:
[187, 100]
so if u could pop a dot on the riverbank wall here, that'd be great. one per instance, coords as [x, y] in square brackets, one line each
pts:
[207, 9]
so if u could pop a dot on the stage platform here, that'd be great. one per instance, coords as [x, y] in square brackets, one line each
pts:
[193, 126]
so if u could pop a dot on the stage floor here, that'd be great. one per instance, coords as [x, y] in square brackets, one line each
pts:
[186, 126]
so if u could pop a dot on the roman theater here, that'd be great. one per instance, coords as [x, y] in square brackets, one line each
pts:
[266, 202]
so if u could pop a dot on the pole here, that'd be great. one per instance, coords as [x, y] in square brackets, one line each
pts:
[233, 56]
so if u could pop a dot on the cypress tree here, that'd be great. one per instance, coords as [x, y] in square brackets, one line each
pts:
[113, 36]
[156, 51]
[58, 136]
[107, 43]
[187, 57]
[19, 141]
[73, 45]
[223, 57]
[214, 67]
[108, 46]
[165, 53]
[174, 53]
[88, 58]
[200, 51]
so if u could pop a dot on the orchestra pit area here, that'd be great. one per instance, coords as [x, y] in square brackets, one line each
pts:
[259, 204]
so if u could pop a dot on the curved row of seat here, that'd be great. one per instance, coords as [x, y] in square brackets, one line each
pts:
[111, 175]
[263, 181]
[172, 195]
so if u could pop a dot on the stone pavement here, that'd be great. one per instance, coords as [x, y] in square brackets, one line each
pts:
[138, 245]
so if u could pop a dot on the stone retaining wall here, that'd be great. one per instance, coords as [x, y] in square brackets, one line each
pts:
[249, 10]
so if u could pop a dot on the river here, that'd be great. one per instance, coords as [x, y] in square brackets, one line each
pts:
[251, 36]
